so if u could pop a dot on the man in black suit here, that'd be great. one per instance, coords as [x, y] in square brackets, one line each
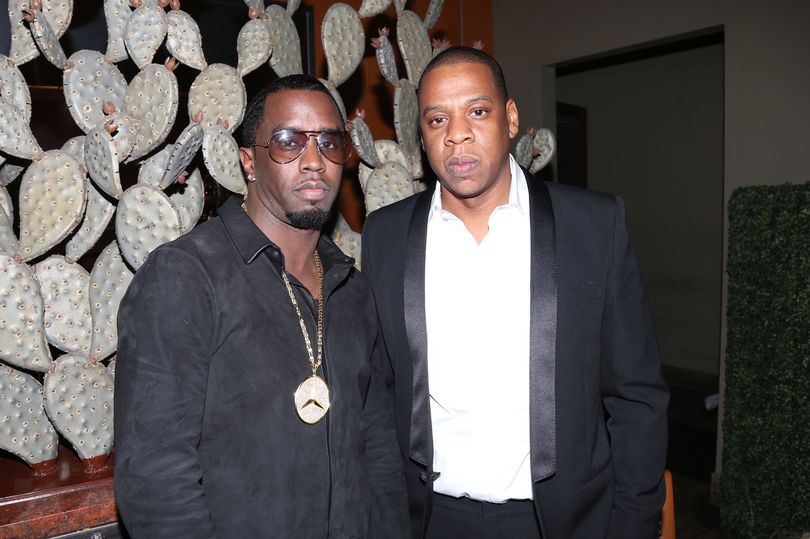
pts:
[529, 396]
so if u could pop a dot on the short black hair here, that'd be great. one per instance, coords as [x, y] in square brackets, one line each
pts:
[468, 55]
[255, 109]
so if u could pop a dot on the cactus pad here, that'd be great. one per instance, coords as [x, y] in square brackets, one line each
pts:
[188, 199]
[183, 39]
[369, 8]
[347, 239]
[414, 44]
[65, 286]
[218, 92]
[385, 57]
[399, 6]
[79, 401]
[388, 184]
[6, 204]
[343, 42]
[292, 6]
[22, 336]
[152, 170]
[144, 33]
[109, 280]
[253, 46]
[9, 245]
[188, 142]
[221, 156]
[117, 13]
[75, 148]
[125, 135]
[13, 88]
[151, 99]
[286, 58]
[16, 137]
[543, 146]
[433, 12]
[52, 200]
[406, 120]
[23, 47]
[523, 150]
[101, 160]
[97, 216]
[48, 42]
[88, 84]
[390, 151]
[9, 173]
[363, 142]
[111, 367]
[145, 219]
[336, 96]
[25, 429]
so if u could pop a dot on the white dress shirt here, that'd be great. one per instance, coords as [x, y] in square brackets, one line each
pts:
[477, 308]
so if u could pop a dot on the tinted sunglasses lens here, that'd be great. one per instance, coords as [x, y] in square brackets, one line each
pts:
[334, 145]
[285, 146]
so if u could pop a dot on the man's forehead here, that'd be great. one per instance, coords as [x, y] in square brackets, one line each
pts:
[463, 74]
[289, 107]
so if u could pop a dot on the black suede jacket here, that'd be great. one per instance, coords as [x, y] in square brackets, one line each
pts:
[208, 442]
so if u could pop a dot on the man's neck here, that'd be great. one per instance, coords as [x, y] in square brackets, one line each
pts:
[296, 244]
[474, 212]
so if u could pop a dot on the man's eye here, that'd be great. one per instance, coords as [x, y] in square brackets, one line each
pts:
[436, 121]
[286, 143]
[479, 112]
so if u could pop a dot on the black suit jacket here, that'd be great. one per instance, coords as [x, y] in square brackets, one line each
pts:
[597, 399]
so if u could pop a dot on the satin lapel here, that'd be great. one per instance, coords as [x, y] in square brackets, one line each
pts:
[543, 342]
[421, 440]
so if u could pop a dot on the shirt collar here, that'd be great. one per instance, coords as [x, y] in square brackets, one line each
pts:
[251, 242]
[518, 192]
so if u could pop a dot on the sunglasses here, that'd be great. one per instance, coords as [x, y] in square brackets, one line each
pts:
[287, 145]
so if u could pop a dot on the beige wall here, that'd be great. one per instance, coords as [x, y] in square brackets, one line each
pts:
[655, 138]
[766, 82]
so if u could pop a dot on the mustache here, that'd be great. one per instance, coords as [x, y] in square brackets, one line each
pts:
[311, 182]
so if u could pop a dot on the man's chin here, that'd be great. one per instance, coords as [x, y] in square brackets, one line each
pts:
[309, 219]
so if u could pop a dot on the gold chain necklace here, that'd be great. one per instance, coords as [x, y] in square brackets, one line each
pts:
[312, 395]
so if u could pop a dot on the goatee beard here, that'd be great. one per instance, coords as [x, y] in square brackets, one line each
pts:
[312, 219]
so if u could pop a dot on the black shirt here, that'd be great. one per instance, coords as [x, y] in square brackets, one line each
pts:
[208, 441]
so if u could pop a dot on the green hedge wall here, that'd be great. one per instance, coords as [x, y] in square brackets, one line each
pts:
[766, 423]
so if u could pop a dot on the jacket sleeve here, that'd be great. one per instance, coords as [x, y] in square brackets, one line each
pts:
[634, 392]
[165, 323]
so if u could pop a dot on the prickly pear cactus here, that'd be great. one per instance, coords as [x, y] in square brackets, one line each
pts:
[13, 88]
[22, 335]
[24, 426]
[253, 46]
[109, 280]
[183, 39]
[221, 155]
[65, 287]
[343, 42]
[52, 200]
[433, 12]
[79, 401]
[218, 93]
[71, 195]
[88, 83]
[286, 58]
[144, 220]
[543, 146]
[151, 98]
[144, 33]
[414, 44]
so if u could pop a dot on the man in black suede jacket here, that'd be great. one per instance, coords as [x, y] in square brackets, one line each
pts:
[251, 394]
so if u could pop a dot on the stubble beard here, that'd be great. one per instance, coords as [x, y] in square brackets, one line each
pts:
[310, 219]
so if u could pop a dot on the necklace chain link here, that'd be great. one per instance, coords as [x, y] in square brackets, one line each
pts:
[314, 364]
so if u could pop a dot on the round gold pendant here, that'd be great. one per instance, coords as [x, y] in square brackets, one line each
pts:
[312, 399]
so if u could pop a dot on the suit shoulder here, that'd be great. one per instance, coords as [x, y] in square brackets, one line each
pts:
[572, 197]
[395, 213]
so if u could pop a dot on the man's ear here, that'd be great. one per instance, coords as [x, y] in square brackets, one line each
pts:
[512, 118]
[246, 157]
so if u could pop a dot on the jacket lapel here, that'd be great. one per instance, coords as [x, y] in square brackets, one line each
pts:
[543, 341]
[421, 439]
